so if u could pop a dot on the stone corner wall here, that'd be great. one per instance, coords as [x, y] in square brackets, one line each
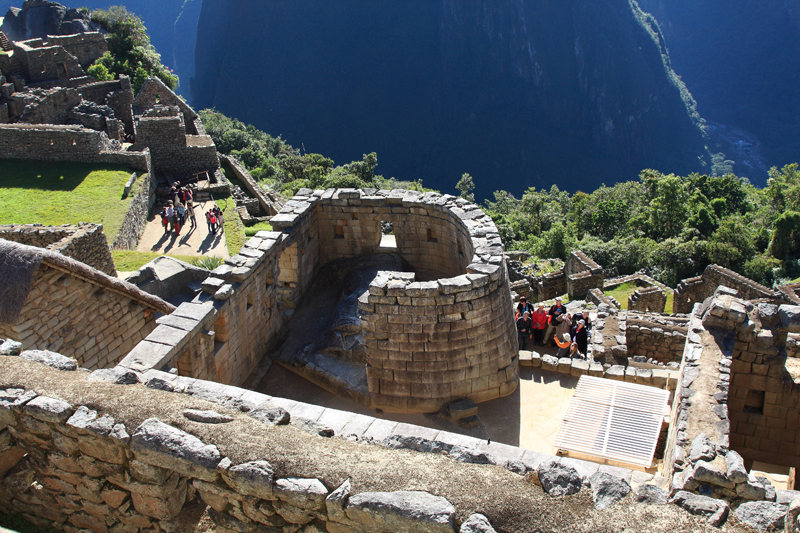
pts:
[649, 299]
[135, 220]
[85, 242]
[697, 289]
[735, 366]
[89, 246]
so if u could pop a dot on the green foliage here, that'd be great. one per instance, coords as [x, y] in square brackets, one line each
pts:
[277, 166]
[130, 51]
[255, 228]
[465, 187]
[673, 225]
[99, 72]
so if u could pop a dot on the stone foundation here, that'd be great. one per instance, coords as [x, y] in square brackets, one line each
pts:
[695, 290]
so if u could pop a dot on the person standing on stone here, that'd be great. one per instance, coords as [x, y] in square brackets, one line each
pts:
[587, 322]
[563, 342]
[164, 219]
[556, 311]
[564, 324]
[575, 352]
[171, 215]
[181, 214]
[539, 320]
[580, 335]
[190, 207]
[523, 307]
[524, 330]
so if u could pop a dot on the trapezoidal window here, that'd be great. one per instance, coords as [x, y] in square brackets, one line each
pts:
[388, 240]
[754, 402]
[432, 235]
[338, 232]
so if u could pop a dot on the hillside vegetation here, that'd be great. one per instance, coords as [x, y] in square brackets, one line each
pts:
[278, 166]
[673, 225]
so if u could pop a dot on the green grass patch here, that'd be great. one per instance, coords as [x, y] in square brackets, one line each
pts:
[622, 292]
[63, 193]
[255, 228]
[234, 229]
[130, 260]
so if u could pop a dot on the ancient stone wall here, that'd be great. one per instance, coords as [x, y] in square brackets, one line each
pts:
[117, 95]
[654, 340]
[51, 107]
[270, 202]
[421, 337]
[135, 221]
[45, 63]
[86, 47]
[648, 299]
[154, 92]
[83, 313]
[171, 150]
[85, 242]
[693, 290]
[583, 274]
[89, 246]
[597, 297]
[738, 400]
[65, 143]
[223, 336]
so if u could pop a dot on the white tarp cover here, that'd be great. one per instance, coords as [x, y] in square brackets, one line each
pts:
[613, 420]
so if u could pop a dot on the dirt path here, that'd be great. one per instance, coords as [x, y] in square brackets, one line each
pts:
[191, 241]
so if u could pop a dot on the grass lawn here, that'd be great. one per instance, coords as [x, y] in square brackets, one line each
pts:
[234, 229]
[130, 260]
[255, 228]
[622, 292]
[64, 193]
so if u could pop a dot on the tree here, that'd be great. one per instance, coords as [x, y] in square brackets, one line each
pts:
[465, 186]
[99, 72]
[130, 51]
[786, 235]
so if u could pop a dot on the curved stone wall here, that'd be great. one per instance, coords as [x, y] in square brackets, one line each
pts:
[443, 334]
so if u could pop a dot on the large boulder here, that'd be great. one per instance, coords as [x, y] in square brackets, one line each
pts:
[762, 516]
[558, 479]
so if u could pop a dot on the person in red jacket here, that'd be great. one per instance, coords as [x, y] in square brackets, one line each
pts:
[539, 319]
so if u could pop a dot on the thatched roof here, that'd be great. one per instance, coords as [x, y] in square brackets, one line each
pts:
[18, 266]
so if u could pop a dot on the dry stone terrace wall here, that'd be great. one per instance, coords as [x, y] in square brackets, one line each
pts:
[660, 340]
[650, 299]
[117, 94]
[223, 334]
[85, 242]
[694, 290]
[42, 142]
[135, 221]
[173, 151]
[102, 452]
[737, 400]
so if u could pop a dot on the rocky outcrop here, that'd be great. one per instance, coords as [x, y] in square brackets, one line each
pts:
[39, 18]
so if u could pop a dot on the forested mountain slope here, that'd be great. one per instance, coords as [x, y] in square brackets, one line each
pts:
[516, 92]
[740, 60]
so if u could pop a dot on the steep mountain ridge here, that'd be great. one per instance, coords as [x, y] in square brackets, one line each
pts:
[517, 92]
[740, 60]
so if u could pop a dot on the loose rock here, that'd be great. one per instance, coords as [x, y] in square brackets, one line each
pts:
[607, 489]
[559, 480]
[51, 359]
[476, 523]
[761, 516]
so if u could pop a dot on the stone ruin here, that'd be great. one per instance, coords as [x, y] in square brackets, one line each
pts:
[579, 275]
[435, 327]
